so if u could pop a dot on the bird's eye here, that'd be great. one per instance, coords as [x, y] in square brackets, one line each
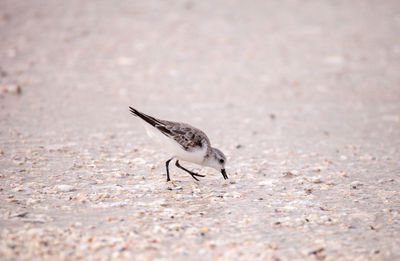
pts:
[221, 161]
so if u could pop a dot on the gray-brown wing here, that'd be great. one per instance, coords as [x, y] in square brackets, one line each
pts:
[189, 137]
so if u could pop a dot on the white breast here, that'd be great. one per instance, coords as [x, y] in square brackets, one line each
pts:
[171, 146]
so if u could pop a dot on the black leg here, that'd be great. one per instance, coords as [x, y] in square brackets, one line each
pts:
[167, 166]
[188, 171]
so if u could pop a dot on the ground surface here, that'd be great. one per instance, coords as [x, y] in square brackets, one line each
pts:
[302, 96]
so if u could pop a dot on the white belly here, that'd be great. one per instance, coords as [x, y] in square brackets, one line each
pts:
[196, 156]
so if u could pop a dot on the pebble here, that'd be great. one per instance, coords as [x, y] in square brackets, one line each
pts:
[355, 184]
[288, 174]
[385, 180]
[267, 182]
[11, 88]
[316, 180]
[65, 188]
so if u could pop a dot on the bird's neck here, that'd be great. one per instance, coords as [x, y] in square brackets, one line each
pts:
[210, 154]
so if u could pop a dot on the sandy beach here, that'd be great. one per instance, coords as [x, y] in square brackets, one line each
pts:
[303, 97]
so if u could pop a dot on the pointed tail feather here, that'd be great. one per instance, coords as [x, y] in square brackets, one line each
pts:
[150, 120]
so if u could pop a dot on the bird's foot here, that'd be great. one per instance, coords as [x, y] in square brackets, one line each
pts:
[195, 175]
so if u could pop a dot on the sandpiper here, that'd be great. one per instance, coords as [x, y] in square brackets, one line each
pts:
[185, 143]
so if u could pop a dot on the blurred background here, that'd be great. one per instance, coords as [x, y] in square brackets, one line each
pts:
[292, 85]
[307, 62]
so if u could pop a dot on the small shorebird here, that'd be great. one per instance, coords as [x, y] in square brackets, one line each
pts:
[185, 143]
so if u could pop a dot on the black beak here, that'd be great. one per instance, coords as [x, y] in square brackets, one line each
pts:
[223, 172]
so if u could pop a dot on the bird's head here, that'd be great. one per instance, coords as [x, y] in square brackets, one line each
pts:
[217, 161]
